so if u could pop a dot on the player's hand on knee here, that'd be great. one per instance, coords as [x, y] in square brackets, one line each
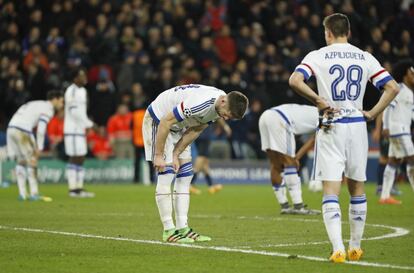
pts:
[159, 163]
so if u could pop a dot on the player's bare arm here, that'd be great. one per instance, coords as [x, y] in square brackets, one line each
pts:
[297, 82]
[305, 148]
[391, 90]
[188, 137]
[162, 133]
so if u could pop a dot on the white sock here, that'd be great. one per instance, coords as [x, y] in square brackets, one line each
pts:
[163, 197]
[181, 195]
[71, 175]
[357, 217]
[293, 184]
[21, 180]
[31, 174]
[280, 193]
[80, 176]
[332, 218]
[410, 174]
[388, 181]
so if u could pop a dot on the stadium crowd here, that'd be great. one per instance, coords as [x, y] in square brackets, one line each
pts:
[133, 50]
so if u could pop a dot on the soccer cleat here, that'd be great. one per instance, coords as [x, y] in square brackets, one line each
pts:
[301, 209]
[173, 236]
[338, 257]
[81, 193]
[194, 190]
[189, 233]
[21, 198]
[389, 201]
[285, 208]
[40, 198]
[215, 188]
[354, 254]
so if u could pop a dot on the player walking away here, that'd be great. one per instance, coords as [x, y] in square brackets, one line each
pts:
[342, 72]
[76, 122]
[278, 127]
[171, 123]
[202, 162]
[397, 120]
[22, 145]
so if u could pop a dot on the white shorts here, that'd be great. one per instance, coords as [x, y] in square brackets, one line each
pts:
[75, 145]
[21, 145]
[401, 146]
[276, 134]
[341, 150]
[149, 131]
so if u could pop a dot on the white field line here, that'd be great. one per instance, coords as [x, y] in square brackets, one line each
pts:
[216, 248]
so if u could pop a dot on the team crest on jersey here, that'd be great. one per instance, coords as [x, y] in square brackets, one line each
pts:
[187, 112]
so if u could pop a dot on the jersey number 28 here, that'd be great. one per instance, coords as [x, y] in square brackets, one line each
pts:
[353, 77]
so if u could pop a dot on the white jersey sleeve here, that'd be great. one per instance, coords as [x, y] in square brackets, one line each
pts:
[378, 76]
[42, 127]
[305, 67]
[194, 106]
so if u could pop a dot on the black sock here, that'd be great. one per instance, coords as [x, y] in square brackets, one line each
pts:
[380, 173]
[209, 181]
[194, 179]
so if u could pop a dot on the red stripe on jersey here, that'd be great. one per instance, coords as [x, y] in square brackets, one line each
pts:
[377, 74]
[308, 66]
[182, 106]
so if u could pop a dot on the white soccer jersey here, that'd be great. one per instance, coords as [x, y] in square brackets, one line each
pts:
[76, 119]
[397, 116]
[191, 104]
[342, 72]
[303, 119]
[34, 113]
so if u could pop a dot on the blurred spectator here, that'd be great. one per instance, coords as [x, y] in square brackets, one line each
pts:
[120, 134]
[226, 46]
[138, 141]
[55, 134]
[99, 144]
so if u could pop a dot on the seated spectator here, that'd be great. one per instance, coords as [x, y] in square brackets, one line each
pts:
[55, 134]
[99, 144]
[120, 133]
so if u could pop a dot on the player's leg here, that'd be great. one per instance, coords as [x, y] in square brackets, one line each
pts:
[198, 163]
[279, 188]
[181, 196]
[410, 170]
[394, 151]
[213, 188]
[388, 181]
[382, 162]
[329, 167]
[409, 158]
[357, 218]
[294, 187]
[14, 152]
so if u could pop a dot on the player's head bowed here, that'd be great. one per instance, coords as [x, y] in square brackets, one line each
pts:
[232, 106]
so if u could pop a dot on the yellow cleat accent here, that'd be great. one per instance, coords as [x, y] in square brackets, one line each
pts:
[194, 190]
[354, 254]
[215, 188]
[338, 257]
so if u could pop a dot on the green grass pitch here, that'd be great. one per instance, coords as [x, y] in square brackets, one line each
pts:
[120, 231]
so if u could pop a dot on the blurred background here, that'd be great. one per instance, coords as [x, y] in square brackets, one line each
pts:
[133, 50]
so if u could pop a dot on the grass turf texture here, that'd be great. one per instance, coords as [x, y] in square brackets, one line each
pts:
[242, 217]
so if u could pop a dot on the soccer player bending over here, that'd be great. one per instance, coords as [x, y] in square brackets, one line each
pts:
[278, 127]
[76, 123]
[397, 120]
[22, 145]
[171, 123]
[342, 72]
